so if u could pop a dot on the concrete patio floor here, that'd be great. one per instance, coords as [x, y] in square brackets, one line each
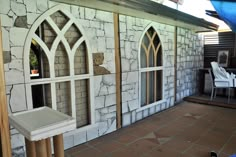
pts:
[186, 130]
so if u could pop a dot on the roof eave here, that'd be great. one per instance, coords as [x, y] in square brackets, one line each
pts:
[148, 10]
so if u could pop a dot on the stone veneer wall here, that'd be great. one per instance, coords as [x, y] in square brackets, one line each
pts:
[131, 31]
[17, 18]
[189, 60]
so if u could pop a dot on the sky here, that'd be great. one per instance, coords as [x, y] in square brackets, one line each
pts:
[196, 8]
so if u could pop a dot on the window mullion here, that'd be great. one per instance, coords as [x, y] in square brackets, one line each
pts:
[73, 99]
[53, 93]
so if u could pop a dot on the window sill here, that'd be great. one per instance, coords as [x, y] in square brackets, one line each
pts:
[151, 105]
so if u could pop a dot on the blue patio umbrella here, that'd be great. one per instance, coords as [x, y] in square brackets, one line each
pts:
[226, 9]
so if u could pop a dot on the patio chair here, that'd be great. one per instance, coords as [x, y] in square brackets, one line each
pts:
[220, 79]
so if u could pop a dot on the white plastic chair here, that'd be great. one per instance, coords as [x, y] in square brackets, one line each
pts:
[220, 79]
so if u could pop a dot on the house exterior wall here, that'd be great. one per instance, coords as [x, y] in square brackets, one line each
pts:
[131, 32]
[18, 17]
[189, 60]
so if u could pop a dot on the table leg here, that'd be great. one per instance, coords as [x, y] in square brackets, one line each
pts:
[30, 148]
[49, 149]
[41, 149]
[58, 146]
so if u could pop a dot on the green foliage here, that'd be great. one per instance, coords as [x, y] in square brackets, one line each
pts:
[33, 60]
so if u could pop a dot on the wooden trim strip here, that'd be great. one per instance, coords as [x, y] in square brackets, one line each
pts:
[118, 71]
[151, 39]
[175, 63]
[147, 78]
[157, 49]
[4, 124]
[144, 47]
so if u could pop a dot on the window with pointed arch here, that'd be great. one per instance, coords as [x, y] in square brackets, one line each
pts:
[63, 80]
[151, 68]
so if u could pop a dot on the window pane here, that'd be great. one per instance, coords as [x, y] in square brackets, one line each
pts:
[60, 19]
[159, 57]
[80, 60]
[151, 58]
[38, 61]
[143, 89]
[63, 97]
[47, 34]
[159, 85]
[154, 87]
[143, 58]
[151, 31]
[41, 95]
[61, 62]
[144, 51]
[72, 35]
[151, 87]
[82, 103]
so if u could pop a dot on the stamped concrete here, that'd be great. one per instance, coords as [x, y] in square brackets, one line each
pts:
[186, 130]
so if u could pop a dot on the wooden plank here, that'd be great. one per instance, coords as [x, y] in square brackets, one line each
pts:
[4, 124]
[118, 70]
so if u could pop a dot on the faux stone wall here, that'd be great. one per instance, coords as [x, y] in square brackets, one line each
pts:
[189, 60]
[17, 18]
[131, 31]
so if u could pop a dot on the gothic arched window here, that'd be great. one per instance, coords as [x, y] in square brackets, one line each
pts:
[151, 67]
[63, 81]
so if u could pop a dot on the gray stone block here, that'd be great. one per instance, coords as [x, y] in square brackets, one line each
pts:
[126, 119]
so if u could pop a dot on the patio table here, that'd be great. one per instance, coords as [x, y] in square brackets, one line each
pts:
[201, 80]
[38, 126]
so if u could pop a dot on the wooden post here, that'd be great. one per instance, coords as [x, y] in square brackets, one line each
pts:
[30, 148]
[4, 124]
[49, 149]
[58, 146]
[118, 70]
[41, 149]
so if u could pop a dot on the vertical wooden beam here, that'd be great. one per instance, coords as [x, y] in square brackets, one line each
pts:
[4, 124]
[175, 63]
[118, 70]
